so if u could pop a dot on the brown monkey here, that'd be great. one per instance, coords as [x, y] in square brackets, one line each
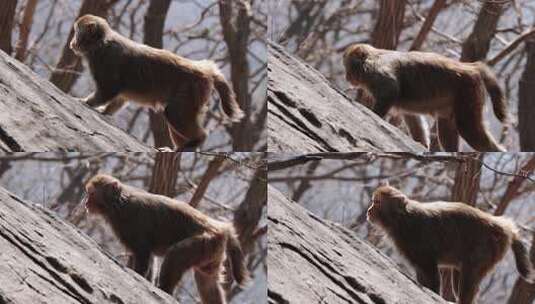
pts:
[153, 78]
[447, 234]
[149, 224]
[428, 83]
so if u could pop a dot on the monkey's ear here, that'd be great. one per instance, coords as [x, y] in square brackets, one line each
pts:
[384, 183]
[402, 199]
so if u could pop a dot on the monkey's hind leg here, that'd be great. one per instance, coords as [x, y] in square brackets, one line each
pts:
[474, 269]
[418, 129]
[177, 139]
[382, 107]
[469, 280]
[182, 142]
[184, 255]
[209, 288]
[140, 262]
[428, 275]
[448, 135]
[131, 263]
[185, 126]
[470, 124]
[455, 280]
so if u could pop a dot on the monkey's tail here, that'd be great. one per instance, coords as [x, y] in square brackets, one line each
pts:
[495, 92]
[237, 259]
[523, 263]
[228, 98]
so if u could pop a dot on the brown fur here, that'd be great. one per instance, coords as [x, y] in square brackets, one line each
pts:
[428, 83]
[447, 234]
[151, 77]
[149, 224]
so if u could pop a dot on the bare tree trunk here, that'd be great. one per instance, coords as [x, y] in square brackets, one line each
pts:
[209, 174]
[308, 13]
[153, 36]
[389, 24]
[236, 34]
[438, 5]
[7, 14]
[25, 28]
[465, 189]
[304, 185]
[477, 45]
[248, 214]
[5, 165]
[513, 188]
[247, 217]
[165, 173]
[69, 65]
[526, 104]
[467, 177]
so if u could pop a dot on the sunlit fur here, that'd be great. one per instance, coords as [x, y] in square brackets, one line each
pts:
[149, 224]
[428, 83]
[126, 70]
[447, 234]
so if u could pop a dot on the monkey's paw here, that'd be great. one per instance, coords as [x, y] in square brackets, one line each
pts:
[164, 149]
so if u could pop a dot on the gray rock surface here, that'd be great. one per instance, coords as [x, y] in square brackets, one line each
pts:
[308, 114]
[315, 261]
[36, 116]
[45, 260]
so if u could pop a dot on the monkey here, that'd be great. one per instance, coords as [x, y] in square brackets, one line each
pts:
[155, 225]
[429, 83]
[448, 234]
[123, 70]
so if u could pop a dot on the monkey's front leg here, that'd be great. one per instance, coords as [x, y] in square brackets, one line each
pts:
[114, 105]
[103, 95]
[141, 261]
[209, 288]
[469, 280]
[131, 263]
[382, 107]
[418, 129]
[95, 100]
[429, 276]
[385, 93]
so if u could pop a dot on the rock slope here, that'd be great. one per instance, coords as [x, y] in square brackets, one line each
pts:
[45, 260]
[308, 114]
[315, 261]
[35, 116]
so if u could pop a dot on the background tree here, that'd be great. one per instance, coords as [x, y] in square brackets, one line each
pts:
[7, 14]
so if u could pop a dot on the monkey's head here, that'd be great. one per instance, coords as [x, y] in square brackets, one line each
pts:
[101, 191]
[89, 34]
[388, 204]
[354, 57]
